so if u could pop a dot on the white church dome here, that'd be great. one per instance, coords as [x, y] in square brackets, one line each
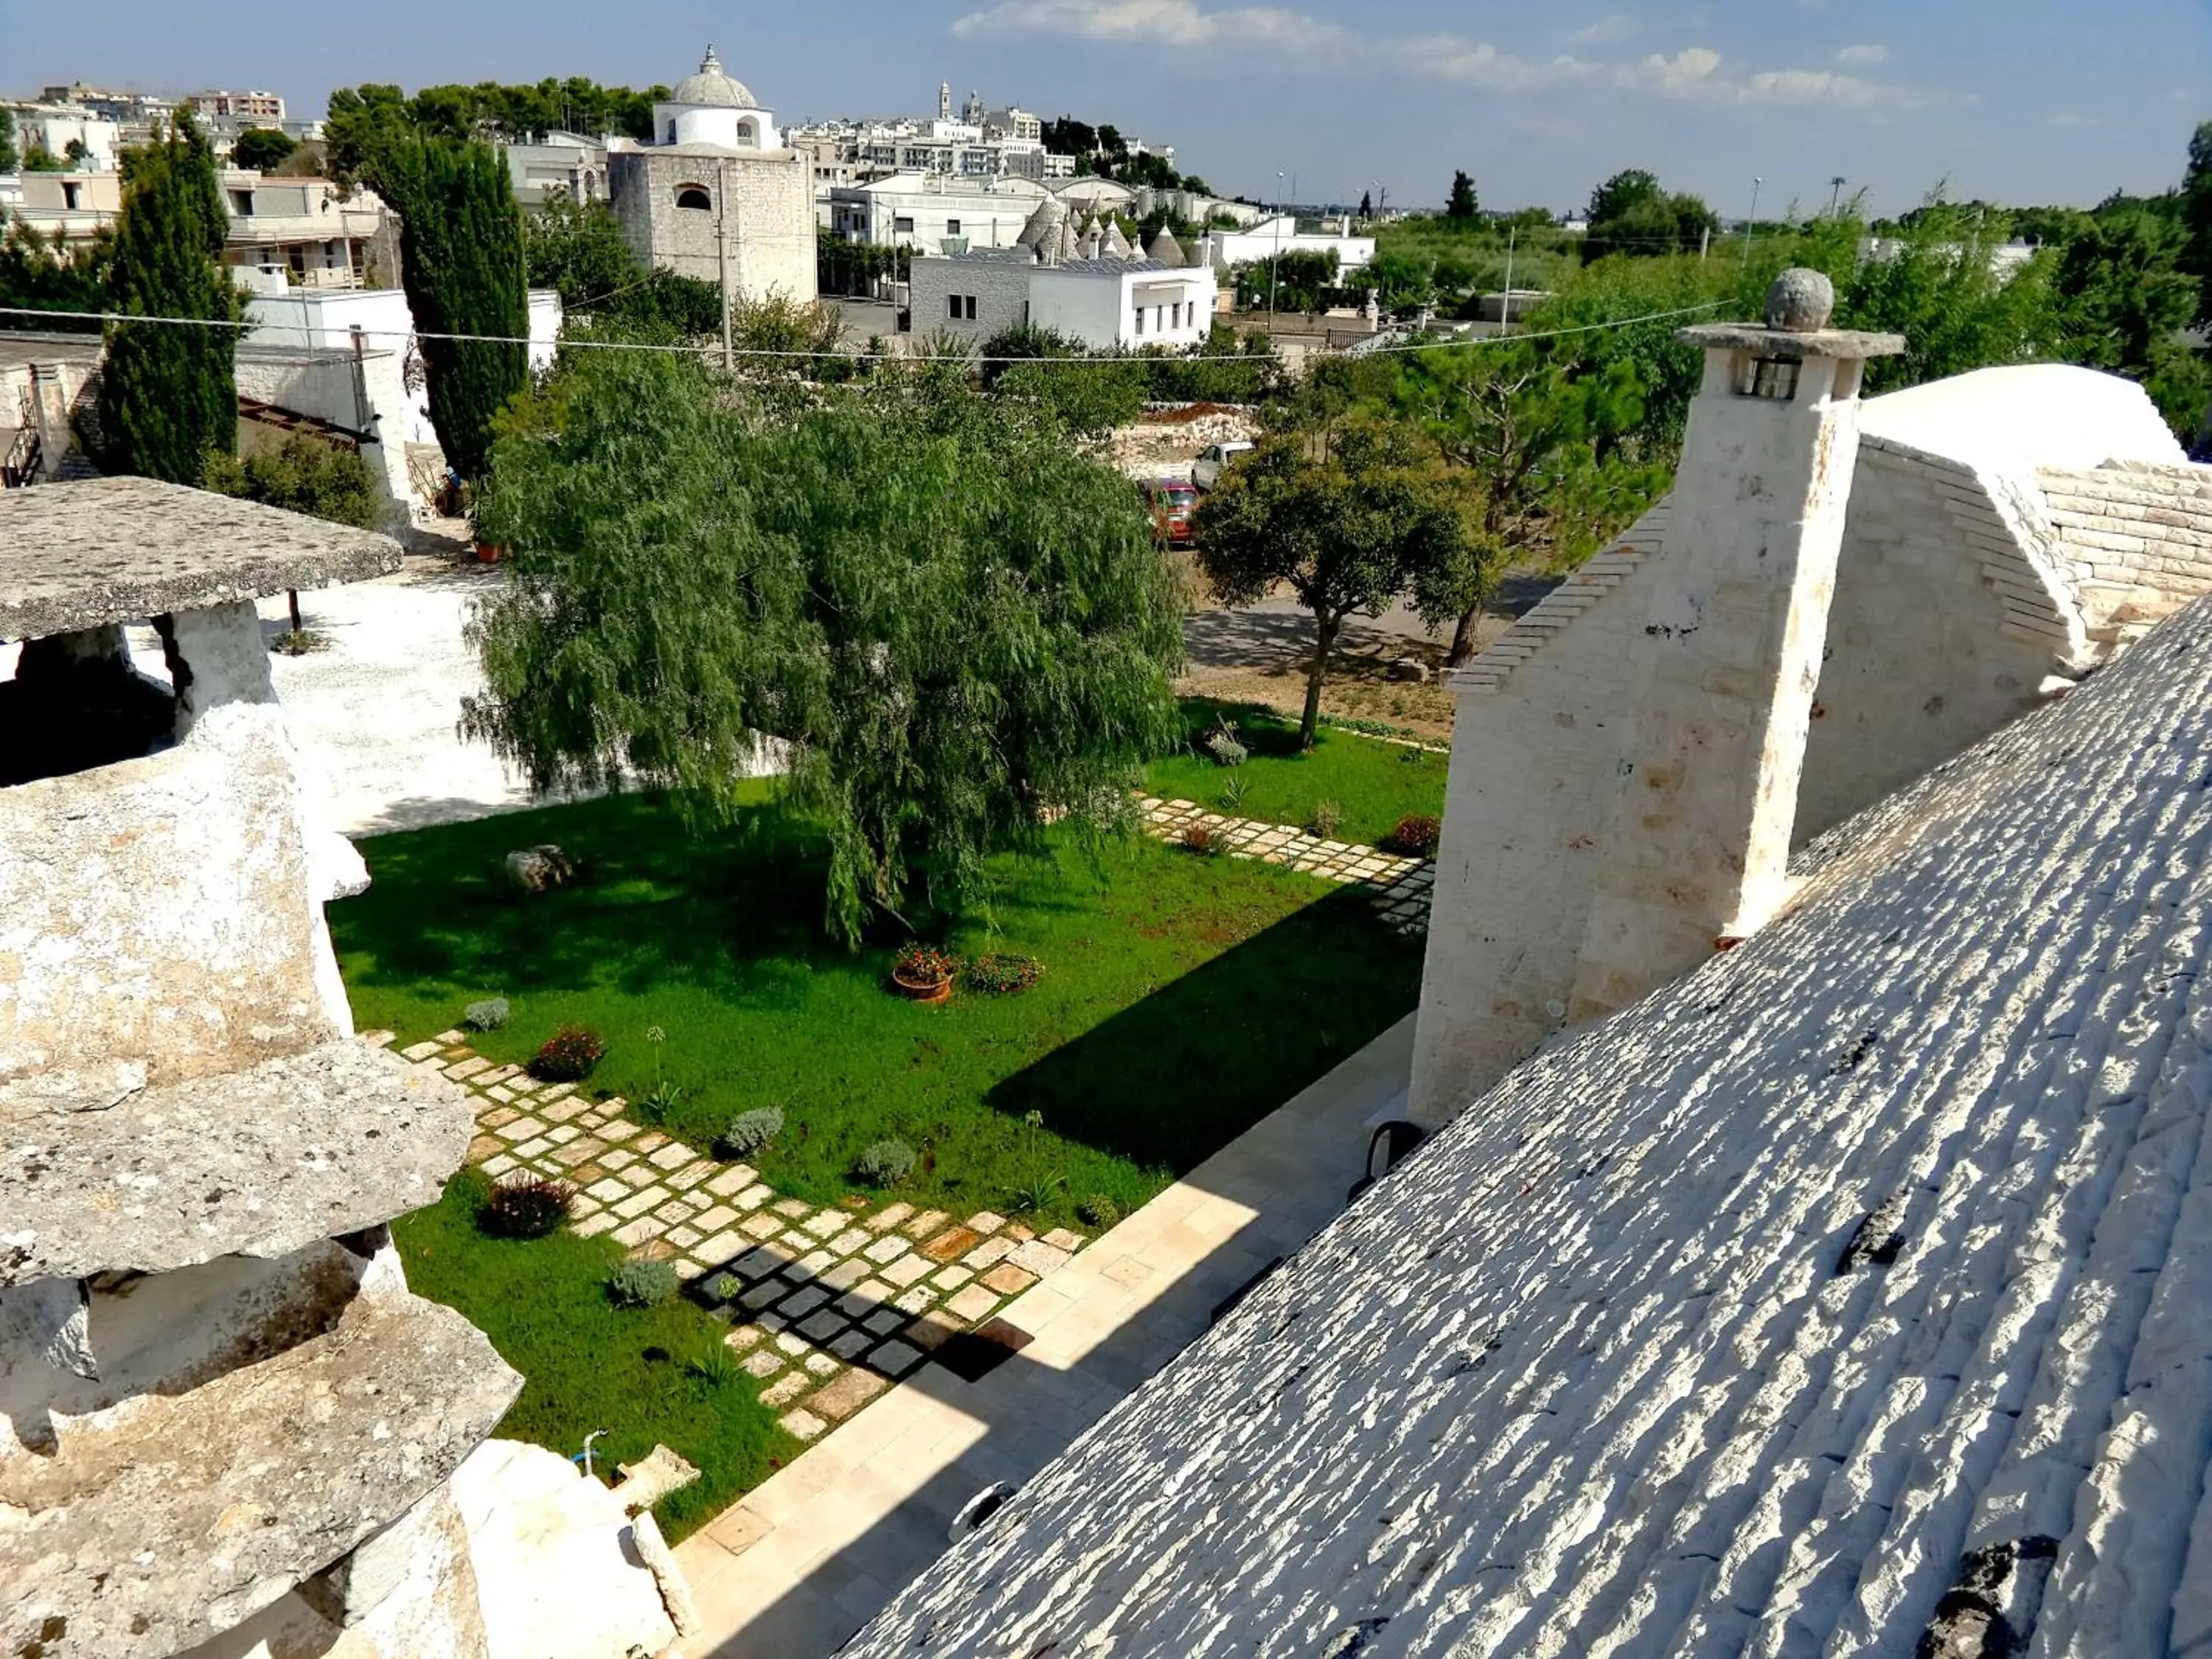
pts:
[711, 89]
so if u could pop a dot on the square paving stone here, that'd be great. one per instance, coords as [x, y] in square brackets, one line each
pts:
[500, 1165]
[840, 1399]
[871, 1294]
[884, 1321]
[536, 1148]
[563, 1134]
[420, 1050]
[720, 1247]
[763, 1362]
[889, 1248]
[579, 1151]
[683, 1237]
[907, 1270]
[845, 1275]
[619, 1130]
[923, 1225]
[917, 1300]
[638, 1232]
[890, 1217]
[561, 1111]
[894, 1358]
[714, 1218]
[638, 1203]
[689, 1176]
[768, 1291]
[801, 1303]
[592, 1226]
[787, 1388]
[851, 1344]
[951, 1244]
[731, 1181]
[618, 1159]
[753, 1197]
[649, 1141]
[1039, 1258]
[462, 1071]
[1007, 1279]
[798, 1209]
[801, 1425]
[984, 1221]
[608, 1191]
[822, 1223]
[1018, 1233]
[762, 1226]
[678, 1209]
[484, 1146]
[761, 1261]
[815, 1263]
[671, 1155]
[524, 1127]
[931, 1331]
[821, 1364]
[821, 1326]
[745, 1337]
[990, 1253]
[450, 1038]
[795, 1346]
[971, 1304]
[952, 1279]
[850, 1240]
[500, 1119]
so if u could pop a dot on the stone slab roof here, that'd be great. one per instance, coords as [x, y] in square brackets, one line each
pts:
[119, 549]
[157, 1525]
[1853, 1293]
[260, 1161]
[2136, 537]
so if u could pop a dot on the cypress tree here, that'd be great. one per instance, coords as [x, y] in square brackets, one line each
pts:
[169, 393]
[462, 265]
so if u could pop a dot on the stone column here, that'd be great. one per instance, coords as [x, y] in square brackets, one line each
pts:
[1729, 652]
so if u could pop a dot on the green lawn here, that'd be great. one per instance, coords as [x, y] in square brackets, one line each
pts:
[1183, 998]
[1373, 783]
[592, 1366]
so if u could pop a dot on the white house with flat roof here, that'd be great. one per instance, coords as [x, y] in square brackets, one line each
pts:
[1105, 303]
[1281, 234]
[927, 210]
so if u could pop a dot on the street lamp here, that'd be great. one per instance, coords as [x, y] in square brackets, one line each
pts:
[1835, 192]
[1751, 225]
[1275, 263]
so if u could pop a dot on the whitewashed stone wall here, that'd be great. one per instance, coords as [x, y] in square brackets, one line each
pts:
[771, 202]
[2136, 538]
[1000, 287]
[1927, 653]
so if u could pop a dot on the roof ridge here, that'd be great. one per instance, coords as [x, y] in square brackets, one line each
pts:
[1588, 582]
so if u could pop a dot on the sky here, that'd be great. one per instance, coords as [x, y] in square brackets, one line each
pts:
[2014, 100]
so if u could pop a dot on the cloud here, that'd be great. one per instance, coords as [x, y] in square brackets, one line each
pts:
[2073, 121]
[1693, 74]
[1618, 26]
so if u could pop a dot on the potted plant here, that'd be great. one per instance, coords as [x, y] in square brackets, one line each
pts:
[923, 973]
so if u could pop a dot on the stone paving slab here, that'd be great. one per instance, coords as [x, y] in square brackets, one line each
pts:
[1402, 883]
[851, 1294]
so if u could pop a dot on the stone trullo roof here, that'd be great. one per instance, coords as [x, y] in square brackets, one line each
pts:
[1165, 249]
[1851, 1294]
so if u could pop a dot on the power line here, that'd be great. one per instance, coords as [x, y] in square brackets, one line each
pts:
[715, 349]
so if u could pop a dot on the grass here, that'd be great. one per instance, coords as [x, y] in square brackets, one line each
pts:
[1373, 783]
[590, 1364]
[1182, 998]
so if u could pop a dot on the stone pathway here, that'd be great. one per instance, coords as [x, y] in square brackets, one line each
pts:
[1404, 884]
[826, 1306]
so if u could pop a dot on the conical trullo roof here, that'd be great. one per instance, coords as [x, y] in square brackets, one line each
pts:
[1117, 244]
[1070, 249]
[1165, 249]
[1050, 214]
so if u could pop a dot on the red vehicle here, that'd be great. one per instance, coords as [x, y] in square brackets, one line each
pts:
[1172, 501]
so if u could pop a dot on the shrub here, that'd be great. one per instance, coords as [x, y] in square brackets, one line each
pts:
[884, 1164]
[1327, 819]
[1223, 746]
[569, 1056]
[643, 1285]
[1232, 796]
[1417, 836]
[725, 1287]
[1200, 839]
[925, 964]
[1098, 1210]
[527, 1206]
[750, 1132]
[487, 1016]
[715, 1366]
[1035, 1192]
[657, 1102]
[1003, 975]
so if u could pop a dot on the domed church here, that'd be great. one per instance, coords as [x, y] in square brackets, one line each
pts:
[718, 184]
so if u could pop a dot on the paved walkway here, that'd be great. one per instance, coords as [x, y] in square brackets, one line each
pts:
[1403, 883]
[791, 1571]
[826, 1306]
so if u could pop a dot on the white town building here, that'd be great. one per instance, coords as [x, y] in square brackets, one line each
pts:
[1832, 1277]
[929, 210]
[1280, 234]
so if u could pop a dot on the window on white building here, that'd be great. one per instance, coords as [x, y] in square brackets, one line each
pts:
[902, 225]
[1140, 320]
[952, 227]
[748, 138]
[671, 131]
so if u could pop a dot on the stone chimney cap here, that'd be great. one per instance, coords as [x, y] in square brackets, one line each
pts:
[1801, 301]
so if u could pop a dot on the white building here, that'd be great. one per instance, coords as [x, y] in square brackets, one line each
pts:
[1280, 234]
[566, 162]
[930, 210]
[719, 190]
[1106, 301]
[263, 108]
[300, 230]
[53, 127]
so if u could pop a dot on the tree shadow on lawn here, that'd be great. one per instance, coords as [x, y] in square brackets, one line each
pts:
[1183, 999]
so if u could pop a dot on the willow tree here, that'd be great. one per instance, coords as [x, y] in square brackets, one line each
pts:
[461, 261]
[949, 625]
[169, 393]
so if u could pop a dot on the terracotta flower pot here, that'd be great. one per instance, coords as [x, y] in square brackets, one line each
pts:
[921, 990]
[487, 554]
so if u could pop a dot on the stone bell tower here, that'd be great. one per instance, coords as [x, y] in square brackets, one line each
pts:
[1728, 657]
[1624, 763]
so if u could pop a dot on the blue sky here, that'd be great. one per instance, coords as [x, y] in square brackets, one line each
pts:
[2029, 99]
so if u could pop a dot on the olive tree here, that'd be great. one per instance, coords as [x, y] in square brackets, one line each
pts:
[948, 626]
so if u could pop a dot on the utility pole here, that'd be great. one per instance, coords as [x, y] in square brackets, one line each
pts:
[722, 250]
[1751, 225]
[1505, 311]
[1704, 243]
[1275, 263]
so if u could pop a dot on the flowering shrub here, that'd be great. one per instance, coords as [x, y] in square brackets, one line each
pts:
[1417, 836]
[527, 1206]
[1003, 975]
[569, 1056]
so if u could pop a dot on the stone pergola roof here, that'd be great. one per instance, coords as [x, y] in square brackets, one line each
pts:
[80, 556]
[1849, 1292]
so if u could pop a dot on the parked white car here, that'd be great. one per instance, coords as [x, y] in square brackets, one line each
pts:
[1205, 471]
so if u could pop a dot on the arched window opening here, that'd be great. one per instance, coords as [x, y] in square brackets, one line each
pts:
[672, 130]
[692, 196]
[748, 138]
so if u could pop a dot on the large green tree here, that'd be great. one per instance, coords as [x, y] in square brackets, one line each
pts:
[1349, 516]
[462, 265]
[2123, 303]
[2197, 217]
[1629, 213]
[168, 395]
[53, 273]
[950, 625]
[1459, 206]
[1537, 443]
[262, 148]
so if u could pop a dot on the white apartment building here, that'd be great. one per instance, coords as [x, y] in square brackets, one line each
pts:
[53, 127]
[1106, 303]
[568, 162]
[1280, 234]
[297, 230]
[251, 105]
[931, 212]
